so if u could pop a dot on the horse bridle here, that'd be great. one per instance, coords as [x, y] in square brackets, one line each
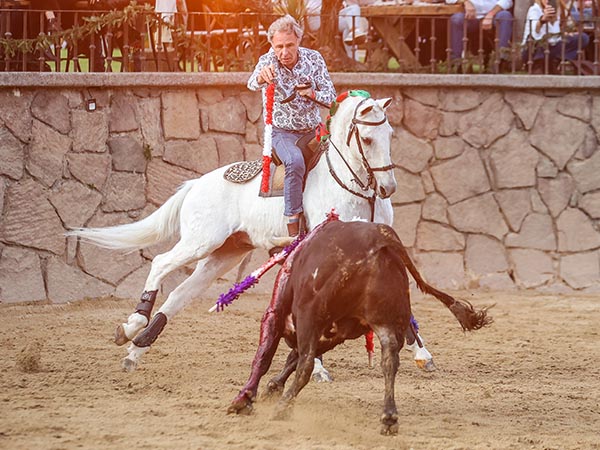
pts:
[371, 181]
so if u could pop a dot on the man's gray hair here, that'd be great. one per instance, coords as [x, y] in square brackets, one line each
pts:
[285, 24]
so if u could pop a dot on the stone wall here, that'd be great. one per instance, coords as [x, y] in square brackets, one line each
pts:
[498, 185]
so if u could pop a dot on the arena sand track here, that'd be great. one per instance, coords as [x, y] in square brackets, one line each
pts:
[530, 381]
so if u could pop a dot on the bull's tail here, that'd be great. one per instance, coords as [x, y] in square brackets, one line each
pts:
[158, 226]
[469, 318]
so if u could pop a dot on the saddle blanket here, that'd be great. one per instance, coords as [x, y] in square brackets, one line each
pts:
[244, 171]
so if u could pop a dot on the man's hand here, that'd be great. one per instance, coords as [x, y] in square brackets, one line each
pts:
[266, 74]
[487, 21]
[305, 90]
[469, 10]
[549, 14]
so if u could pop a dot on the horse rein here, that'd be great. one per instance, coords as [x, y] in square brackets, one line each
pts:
[371, 183]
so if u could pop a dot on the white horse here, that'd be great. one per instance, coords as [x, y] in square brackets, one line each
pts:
[219, 222]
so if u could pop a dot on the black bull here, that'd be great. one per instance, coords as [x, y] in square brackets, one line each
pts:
[344, 279]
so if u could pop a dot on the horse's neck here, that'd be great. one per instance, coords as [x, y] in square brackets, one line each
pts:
[323, 192]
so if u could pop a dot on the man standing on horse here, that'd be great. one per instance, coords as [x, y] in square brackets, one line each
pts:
[300, 72]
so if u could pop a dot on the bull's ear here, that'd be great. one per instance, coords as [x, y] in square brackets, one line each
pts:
[384, 103]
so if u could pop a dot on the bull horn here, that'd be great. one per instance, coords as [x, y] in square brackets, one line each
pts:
[282, 241]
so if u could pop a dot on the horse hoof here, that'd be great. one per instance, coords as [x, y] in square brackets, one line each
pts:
[129, 365]
[322, 377]
[425, 364]
[120, 336]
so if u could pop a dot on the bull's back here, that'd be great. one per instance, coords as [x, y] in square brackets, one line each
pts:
[348, 269]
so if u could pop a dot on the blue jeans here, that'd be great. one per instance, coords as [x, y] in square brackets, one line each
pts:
[571, 44]
[503, 22]
[284, 142]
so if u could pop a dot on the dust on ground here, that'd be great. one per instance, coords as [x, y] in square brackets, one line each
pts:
[529, 381]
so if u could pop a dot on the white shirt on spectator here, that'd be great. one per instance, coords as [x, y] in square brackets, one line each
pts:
[482, 7]
[534, 14]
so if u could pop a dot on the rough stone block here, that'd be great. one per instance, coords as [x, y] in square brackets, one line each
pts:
[201, 156]
[253, 103]
[52, 108]
[67, 283]
[110, 266]
[442, 270]
[181, 116]
[478, 215]
[435, 208]
[461, 177]
[123, 113]
[590, 203]
[124, 192]
[406, 218]
[230, 148]
[164, 179]
[585, 173]
[515, 204]
[532, 268]
[30, 220]
[150, 124]
[90, 131]
[484, 255]
[91, 169]
[483, 126]
[422, 121]
[46, 160]
[74, 202]
[536, 232]
[12, 155]
[16, 112]
[449, 147]
[409, 152]
[556, 192]
[525, 105]
[580, 270]
[127, 154]
[20, 276]
[555, 135]
[576, 105]
[410, 187]
[228, 116]
[576, 232]
[433, 236]
[513, 161]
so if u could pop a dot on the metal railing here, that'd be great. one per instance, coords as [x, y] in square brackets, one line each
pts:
[138, 39]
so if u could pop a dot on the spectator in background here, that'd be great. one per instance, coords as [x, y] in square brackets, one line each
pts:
[542, 26]
[352, 26]
[488, 14]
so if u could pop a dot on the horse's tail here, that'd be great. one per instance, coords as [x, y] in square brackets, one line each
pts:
[469, 318]
[158, 226]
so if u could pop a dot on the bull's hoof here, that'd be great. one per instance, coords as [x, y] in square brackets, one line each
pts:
[425, 364]
[389, 430]
[243, 409]
[389, 424]
[273, 389]
[129, 365]
[120, 336]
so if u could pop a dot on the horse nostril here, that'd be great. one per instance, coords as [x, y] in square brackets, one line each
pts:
[382, 192]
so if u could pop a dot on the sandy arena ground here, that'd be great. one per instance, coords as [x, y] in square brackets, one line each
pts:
[530, 381]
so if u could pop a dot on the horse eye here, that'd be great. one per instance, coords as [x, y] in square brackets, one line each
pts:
[367, 140]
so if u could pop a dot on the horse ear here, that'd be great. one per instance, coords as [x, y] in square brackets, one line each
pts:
[384, 103]
[366, 110]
